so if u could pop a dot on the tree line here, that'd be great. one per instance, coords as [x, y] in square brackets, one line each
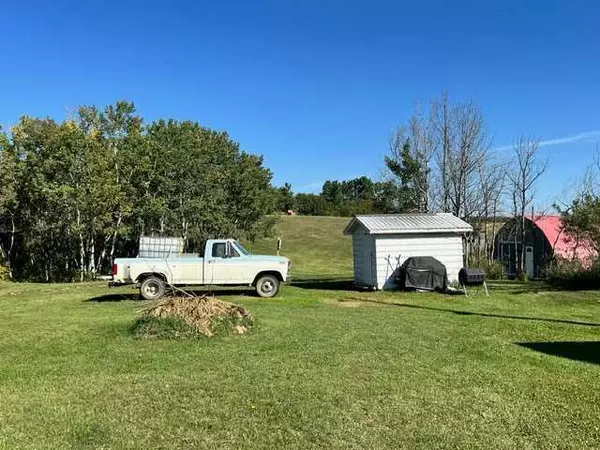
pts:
[75, 194]
[342, 198]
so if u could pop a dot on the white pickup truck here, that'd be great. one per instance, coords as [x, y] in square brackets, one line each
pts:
[224, 262]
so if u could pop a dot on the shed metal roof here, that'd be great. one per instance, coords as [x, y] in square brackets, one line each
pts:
[409, 224]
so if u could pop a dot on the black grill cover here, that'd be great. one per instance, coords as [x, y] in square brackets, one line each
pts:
[423, 272]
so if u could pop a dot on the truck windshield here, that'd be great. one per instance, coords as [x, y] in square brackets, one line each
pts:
[241, 248]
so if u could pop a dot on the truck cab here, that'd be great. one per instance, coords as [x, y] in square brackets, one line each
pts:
[224, 262]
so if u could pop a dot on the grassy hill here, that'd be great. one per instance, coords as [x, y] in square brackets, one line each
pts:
[325, 367]
[316, 245]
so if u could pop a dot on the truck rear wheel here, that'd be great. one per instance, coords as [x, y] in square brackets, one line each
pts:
[152, 288]
[267, 286]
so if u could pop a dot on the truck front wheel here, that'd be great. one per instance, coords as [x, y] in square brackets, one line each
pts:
[152, 288]
[267, 286]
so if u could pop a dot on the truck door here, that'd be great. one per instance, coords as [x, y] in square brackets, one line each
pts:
[223, 265]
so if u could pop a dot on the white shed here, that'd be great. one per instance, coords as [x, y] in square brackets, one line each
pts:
[381, 243]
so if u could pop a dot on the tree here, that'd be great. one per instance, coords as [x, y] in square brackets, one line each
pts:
[581, 218]
[387, 198]
[441, 160]
[119, 132]
[203, 184]
[358, 189]
[9, 199]
[285, 198]
[348, 197]
[407, 167]
[492, 179]
[581, 221]
[526, 170]
[463, 146]
[74, 193]
[333, 193]
[436, 158]
[311, 204]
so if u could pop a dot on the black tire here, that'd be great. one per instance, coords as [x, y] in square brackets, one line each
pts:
[267, 286]
[152, 288]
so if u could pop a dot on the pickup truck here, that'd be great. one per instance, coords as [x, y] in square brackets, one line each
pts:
[224, 262]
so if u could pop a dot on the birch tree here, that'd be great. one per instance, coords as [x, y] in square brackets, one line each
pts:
[9, 200]
[75, 193]
[527, 168]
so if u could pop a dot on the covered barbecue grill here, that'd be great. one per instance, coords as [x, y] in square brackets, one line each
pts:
[423, 272]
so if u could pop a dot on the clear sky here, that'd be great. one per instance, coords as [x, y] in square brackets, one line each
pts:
[316, 86]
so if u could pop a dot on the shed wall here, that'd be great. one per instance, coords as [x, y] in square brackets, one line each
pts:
[363, 249]
[447, 248]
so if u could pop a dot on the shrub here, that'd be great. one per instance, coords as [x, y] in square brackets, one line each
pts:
[574, 275]
[495, 271]
[4, 273]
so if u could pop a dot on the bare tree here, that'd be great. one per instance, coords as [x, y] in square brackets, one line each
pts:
[527, 168]
[441, 123]
[416, 137]
[462, 147]
[492, 179]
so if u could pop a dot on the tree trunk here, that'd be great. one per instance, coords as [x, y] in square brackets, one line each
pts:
[81, 248]
[522, 253]
[102, 256]
[114, 236]
[92, 259]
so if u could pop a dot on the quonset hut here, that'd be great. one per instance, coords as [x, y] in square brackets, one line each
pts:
[544, 241]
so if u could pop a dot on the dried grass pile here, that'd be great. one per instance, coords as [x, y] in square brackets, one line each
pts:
[177, 317]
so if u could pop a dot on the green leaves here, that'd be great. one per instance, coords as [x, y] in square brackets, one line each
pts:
[410, 173]
[582, 221]
[84, 190]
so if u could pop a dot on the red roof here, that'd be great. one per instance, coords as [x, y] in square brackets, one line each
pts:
[563, 245]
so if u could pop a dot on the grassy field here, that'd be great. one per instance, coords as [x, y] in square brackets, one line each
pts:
[316, 246]
[326, 366]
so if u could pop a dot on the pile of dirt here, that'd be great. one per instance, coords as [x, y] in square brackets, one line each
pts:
[177, 317]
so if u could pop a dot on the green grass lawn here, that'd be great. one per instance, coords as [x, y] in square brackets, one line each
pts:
[326, 366]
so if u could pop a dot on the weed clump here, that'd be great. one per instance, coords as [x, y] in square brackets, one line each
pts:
[187, 317]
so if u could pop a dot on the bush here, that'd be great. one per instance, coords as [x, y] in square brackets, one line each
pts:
[574, 275]
[4, 273]
[495, 271]
[311, 205]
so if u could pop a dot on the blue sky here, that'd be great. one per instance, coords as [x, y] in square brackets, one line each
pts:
[316, 86]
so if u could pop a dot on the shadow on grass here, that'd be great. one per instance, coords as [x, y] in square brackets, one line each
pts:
[197, 293]
[325, 284]
[470, 313]
[586, 351]
[113, 298]
[521, 287]
[535, 287]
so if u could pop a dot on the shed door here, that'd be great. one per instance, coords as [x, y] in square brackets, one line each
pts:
[372, 268]
[529, 262]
